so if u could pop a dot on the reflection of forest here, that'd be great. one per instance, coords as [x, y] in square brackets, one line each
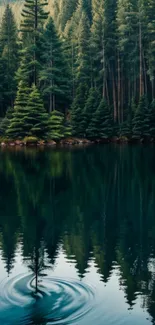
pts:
[96, 201]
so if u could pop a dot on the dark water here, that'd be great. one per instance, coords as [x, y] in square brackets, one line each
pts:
[77, 236]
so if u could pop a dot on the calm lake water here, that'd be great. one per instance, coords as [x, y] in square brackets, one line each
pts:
[77, 236]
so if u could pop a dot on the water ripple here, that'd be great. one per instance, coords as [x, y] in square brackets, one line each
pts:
[56, 301]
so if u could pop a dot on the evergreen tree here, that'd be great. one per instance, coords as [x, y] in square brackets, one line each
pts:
[126, 127]
[9, 58]
[36, 119]
[81, 96]
[54, 75]
[56, 125]
[29, 117]
[25, 72]
[78, 123]
[2, 87]
[67, 129]
[98, 45]
[83, 62]
[34, 17]
[101, 123]
[4, 124]
[67, 9]
[128, 49]
[152, 119]
[106, 45]
[91, 105]
[141, 120]
[125, 130]
[86, 6]
[151, 44]
[110, 54]
[16, 127]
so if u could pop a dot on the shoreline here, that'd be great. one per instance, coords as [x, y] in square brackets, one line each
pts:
[71, 142]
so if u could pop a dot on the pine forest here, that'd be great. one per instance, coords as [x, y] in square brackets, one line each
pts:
[78, 70]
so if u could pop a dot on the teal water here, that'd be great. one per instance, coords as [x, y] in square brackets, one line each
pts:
[77, 236]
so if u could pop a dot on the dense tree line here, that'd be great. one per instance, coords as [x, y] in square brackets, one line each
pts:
[34, 78]
[93, 62]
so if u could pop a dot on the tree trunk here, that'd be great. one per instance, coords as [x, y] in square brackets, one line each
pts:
[103, 66]
[122, 97]
[114, 96]
[35, 30]
[119, 87]
[145, 76]
[107, 93]
[50, 110]
[73, 85]
[141, 83]
[53, 102]
[152, 86]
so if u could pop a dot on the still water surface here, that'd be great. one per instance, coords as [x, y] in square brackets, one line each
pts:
[77, 236]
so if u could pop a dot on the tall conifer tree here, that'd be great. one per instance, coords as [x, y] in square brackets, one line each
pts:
[54, 73]
[9, 58]
[34, 16]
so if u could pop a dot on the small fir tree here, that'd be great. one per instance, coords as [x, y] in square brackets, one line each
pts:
[91, 106]
[16, 127]
[125, 130]
[77, 113]
[141, 120]
[78, 122]
[67, 129]
[6, 121]
[101, 124]
[152, 119]
[81, 96]
[56, 125]
[29, 117]
[36, 119]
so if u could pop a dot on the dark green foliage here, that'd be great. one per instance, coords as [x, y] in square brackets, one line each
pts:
[101, 123]
[67, 129]
[54, 75]
[2, 87]
[141, 120]
[151, 116]
[78, 122]
[83, 62]
[25, 72]
[8, 60]
[86, 6]
[16, 128]
[69, 6]
[29, 117]
[56, 125]
[125, 130]
[78, 115]
[91, 106]
[34, 16]
[36, 119]
[100, 49]
[4, 124]
[81, 96]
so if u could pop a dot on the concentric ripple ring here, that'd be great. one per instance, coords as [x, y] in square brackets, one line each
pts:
[53, 301]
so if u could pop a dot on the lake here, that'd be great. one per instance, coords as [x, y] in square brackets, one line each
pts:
[77, 236]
